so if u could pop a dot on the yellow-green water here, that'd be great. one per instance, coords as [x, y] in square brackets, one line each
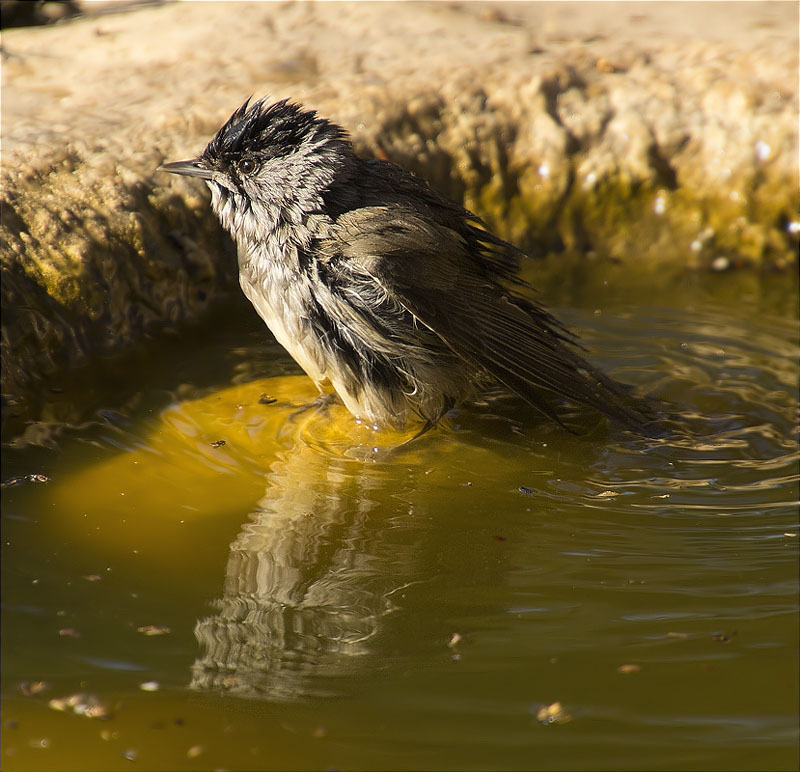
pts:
[323, 605]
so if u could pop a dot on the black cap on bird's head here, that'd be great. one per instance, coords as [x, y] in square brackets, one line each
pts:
[257, 133]
[277, 129]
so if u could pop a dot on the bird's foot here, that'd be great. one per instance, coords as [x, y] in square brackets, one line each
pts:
[321, 403]
[430, 423]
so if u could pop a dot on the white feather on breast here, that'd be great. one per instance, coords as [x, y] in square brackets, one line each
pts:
[289, 329]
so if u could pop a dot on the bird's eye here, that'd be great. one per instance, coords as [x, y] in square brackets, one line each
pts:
[246, 165]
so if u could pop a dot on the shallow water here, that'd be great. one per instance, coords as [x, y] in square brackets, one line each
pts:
[294, 599]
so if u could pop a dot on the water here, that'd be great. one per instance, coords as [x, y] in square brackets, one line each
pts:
[499, 594]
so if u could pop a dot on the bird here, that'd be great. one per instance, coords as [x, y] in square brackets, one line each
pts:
[388, 294]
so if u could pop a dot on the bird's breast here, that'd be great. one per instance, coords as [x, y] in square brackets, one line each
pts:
[282, 299]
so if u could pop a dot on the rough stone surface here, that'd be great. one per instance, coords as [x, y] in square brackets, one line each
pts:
[661, 134]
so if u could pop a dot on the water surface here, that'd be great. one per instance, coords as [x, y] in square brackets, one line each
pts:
[499, 594]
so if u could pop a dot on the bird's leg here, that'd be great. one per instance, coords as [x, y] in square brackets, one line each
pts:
[322, 402]
[429, 423]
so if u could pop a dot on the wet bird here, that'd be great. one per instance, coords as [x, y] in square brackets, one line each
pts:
[383, 290]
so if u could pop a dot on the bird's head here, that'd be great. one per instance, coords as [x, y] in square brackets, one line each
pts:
[268, 166]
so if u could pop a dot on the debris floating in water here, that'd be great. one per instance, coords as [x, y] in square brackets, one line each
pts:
[31, 688]
[153, 630]
[552, 714]
[86, 705]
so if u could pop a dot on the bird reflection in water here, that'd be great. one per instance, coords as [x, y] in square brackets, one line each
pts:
[310, 580]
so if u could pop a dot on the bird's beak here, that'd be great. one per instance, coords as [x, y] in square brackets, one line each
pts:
[193, 167]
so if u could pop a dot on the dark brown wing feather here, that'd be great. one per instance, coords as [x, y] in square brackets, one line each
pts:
[446, 278]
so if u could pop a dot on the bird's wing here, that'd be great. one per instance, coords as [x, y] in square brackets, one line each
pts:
[434, 273]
